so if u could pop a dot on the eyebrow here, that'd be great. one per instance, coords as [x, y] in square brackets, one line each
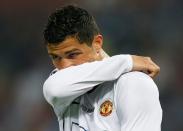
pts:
[67, 52]
[52, 54]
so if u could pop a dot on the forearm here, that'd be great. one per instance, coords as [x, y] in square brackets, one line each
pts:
[68, 84]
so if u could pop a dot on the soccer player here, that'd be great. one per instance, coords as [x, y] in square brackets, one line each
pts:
[90, 91]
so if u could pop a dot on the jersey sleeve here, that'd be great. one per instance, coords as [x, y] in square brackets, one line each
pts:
[61, 88]
[137, 103]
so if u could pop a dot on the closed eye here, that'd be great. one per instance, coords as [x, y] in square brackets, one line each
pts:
[73, 55]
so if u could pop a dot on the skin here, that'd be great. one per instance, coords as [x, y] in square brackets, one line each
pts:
[71, 52]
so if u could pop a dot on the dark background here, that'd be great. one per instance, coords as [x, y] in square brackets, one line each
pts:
[143, 27]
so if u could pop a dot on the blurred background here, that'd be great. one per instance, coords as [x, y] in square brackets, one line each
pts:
[143, 27]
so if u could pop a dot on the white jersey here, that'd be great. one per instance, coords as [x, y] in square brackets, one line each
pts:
[98, 96]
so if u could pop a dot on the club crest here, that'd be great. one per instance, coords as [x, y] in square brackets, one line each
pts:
[106, 108]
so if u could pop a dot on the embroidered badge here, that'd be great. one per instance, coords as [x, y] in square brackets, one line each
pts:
[106, 108]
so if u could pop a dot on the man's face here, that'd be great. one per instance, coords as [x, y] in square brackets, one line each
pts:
[71, 53]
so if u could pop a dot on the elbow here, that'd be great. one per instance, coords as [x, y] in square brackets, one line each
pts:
[53, 91]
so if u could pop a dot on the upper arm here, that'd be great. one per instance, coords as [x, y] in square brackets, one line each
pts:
[138, 105]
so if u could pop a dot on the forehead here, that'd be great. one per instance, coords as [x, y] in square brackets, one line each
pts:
[67, 45]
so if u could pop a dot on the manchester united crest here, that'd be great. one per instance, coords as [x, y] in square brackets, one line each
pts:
[106, 108]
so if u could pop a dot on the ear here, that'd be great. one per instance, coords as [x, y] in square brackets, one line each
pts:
[97, 43]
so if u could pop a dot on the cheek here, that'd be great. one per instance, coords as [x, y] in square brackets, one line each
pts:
[85, 58]
[90, 57]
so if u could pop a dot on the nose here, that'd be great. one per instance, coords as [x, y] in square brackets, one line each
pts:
[65, 63]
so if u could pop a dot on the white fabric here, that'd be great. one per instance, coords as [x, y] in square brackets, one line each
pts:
[134, 95]
[137, 103]
[61, 88]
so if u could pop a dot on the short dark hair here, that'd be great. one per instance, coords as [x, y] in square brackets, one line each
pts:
[70, 21]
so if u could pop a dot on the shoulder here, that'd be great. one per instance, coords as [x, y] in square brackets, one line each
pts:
[135, 76]
[137, 91]
[137, 96]
[137, 84]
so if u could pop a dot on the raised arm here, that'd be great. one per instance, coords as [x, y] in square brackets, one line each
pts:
[65, 85]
